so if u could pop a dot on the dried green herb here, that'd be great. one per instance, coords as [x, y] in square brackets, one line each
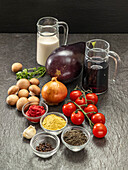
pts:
[75, 137]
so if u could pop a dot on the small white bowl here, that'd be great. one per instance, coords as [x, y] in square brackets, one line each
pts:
[45, 137]
[55, 132]
[72, 147]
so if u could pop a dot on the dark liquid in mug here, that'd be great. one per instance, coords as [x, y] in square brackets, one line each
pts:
[95, 76]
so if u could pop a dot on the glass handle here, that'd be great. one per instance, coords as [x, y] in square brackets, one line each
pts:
[117, 60]
[65, 27]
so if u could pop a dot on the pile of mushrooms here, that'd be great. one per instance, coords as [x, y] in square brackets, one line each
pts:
[23, 92]
[19, 94]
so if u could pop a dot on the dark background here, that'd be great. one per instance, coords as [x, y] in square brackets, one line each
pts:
[82, 16]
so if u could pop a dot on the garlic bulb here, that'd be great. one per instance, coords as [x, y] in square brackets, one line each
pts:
[29, 132]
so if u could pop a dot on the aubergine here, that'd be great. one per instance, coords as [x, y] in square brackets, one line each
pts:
[66, 62]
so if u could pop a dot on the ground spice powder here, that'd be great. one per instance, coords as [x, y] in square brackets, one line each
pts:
[53, 122]
[75, 137]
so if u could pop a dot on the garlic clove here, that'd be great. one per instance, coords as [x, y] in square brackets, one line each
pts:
[29, 132]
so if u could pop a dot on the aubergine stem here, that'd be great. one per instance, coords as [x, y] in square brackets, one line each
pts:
[90, 122]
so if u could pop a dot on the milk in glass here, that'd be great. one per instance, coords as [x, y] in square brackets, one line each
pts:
[46, 44]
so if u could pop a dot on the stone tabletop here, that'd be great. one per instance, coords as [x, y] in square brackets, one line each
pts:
[109, 153]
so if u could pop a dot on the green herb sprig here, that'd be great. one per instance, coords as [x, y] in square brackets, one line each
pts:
[31, 72]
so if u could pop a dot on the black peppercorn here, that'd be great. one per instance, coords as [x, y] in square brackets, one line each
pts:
[44, 147]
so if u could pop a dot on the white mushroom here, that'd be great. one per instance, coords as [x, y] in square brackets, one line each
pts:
[34, 90]
[12, 99]
[23, 93]
[34, 81]
[16, 67]
[29, 132]
[23, 83]
[33, 99]
[21, 102]
[13, 90]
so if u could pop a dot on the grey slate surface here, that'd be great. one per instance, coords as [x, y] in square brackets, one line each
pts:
[109, 153]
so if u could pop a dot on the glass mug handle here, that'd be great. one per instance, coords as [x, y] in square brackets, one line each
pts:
[117, 60]
[65, 27]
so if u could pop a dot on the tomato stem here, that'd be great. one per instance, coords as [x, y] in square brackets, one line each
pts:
[76, 111]
[90, 112]
[79, 106]
[85, 96]
[89, 91]
[80, 97]
[77, 87]
[90, 122]
[84, 105]
[91, 101]
[83, 91]
[67, 101]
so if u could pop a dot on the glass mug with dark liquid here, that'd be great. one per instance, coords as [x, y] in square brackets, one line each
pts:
[96, 65]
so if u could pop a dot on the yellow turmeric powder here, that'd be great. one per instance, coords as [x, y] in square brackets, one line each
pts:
[53, 122]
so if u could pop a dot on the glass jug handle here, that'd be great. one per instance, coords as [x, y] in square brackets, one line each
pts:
[65, 27]
[117, 60]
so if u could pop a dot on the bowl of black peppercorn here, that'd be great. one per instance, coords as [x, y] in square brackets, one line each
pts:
[44, 144]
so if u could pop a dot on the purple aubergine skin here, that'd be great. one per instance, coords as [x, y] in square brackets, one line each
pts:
[66, 62]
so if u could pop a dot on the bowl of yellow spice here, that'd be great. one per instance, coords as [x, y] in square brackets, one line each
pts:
[53, 122]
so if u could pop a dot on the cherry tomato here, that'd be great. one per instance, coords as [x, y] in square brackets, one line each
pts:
[99, 130]
[92, 98]
[75, 94]
[98, 118]
[77, 118]
[90, 108]
[68, 108]
[81, 101]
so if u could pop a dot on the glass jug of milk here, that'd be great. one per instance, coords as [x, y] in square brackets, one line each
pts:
[48, 37]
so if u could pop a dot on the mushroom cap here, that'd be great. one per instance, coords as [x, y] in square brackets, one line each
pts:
[34, 81]
[21, 102]
[12, 99]
[23, 83]
[13, 89]
[16, 67]
[35, 90]
[23, 93]
[33, 99]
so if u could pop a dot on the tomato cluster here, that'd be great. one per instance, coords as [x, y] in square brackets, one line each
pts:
[82, 105]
